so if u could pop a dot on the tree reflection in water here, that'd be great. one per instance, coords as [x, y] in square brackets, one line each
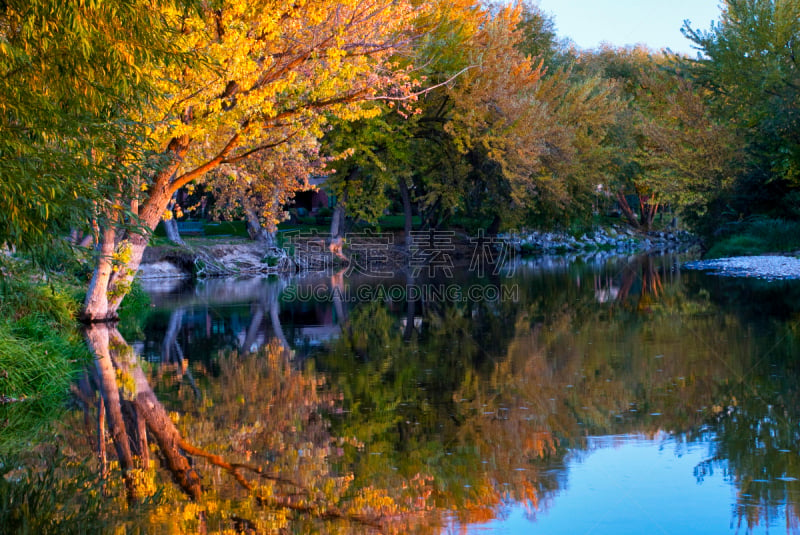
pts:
[414, 411]
[491, 416]
[258, 453]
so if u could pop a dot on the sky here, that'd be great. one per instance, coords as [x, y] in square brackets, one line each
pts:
[656, 23]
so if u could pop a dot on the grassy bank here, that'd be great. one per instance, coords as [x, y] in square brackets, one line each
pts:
[755, 237]
[41, 351]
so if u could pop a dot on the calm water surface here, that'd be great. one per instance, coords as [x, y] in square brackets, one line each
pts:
[611, 397]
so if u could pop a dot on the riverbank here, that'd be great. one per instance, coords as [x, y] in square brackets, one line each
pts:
[236, 256]
[212, 257]
[615, 238]
[769, 267]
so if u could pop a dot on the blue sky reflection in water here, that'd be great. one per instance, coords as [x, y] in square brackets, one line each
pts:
[631, 485]
[625, 396]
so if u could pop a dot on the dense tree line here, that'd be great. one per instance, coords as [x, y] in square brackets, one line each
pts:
[551, 142]
[461, 112]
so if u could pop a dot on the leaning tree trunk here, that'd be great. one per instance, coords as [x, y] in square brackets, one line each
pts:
[627, 211]
[115, 270]
[119, 252]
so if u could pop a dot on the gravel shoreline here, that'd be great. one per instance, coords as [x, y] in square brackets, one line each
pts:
[760, 267]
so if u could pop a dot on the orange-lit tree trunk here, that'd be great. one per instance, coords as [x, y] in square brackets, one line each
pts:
[627, 211]
[120, 251]
[648, 208]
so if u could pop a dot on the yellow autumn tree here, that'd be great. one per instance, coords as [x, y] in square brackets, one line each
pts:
[270, 74]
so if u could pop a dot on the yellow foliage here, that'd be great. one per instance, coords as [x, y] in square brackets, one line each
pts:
[273, 74]
[126, 384]
[143, 483]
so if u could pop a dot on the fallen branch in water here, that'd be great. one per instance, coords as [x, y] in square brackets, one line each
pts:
[325, 513]
[233, 468]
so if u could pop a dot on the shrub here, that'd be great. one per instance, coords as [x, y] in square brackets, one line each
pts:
[758, 236]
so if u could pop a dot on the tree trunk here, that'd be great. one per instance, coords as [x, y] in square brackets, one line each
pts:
[337, 221]
[627, 211]
[648, 207]
[103, 301]
[337, 227]
[494, 227]
[108, 288]
[256, 231]
[405, 195]
[96, 304]
[173, 234]
[87, 241]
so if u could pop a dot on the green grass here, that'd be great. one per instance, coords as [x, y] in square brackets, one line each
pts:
[397, 222]
[758, 236]
[226, 228]
[212, 228]
[41, 352]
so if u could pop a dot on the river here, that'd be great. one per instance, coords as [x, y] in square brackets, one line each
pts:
[621, 395]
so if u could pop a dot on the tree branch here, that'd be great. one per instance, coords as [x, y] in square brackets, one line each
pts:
[244, 155]
[197, 172]
[426, 90]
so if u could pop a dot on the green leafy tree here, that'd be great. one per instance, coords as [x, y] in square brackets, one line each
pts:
[70, 74]
[669, 146]
[750, 65]
[688, 155]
